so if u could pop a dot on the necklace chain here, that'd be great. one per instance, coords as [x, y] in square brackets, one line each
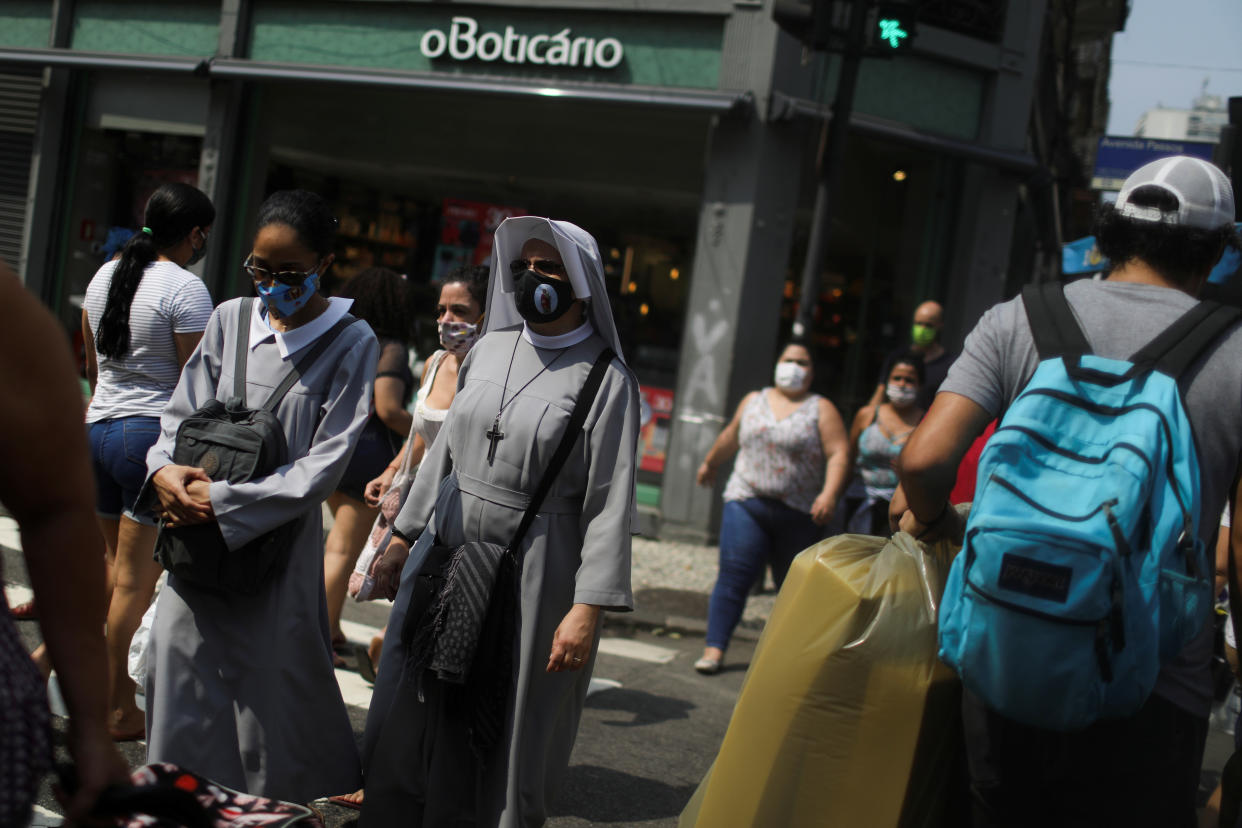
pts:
[494, 434]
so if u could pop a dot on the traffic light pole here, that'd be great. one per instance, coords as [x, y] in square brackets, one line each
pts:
[830, 161]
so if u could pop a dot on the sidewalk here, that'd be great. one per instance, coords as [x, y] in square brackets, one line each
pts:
[672, 583]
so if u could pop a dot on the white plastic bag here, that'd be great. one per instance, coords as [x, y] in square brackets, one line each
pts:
[361, 580]
[137, 662]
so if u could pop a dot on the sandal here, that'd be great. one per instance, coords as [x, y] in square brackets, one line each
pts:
[344, 801]
[707, 666]
[366, 667]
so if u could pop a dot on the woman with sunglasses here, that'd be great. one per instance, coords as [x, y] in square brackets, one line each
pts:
[792, 462]
[493, 751]
[143, 315]
[240, 687]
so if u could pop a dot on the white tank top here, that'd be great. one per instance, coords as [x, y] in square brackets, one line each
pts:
[427, 420]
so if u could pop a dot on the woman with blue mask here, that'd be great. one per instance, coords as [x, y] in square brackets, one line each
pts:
[240, 687]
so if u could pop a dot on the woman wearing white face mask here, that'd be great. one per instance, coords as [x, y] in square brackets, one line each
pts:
[876, 439]
[792, 464]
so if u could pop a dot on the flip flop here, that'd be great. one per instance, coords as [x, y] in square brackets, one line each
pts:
[132, 736]
[345, 803]
[366, 667]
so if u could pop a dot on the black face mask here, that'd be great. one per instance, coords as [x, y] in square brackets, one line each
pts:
[540, 298]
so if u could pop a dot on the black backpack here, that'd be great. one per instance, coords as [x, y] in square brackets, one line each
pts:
[232, 442]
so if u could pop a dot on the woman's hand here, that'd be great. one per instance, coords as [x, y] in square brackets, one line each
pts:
[706, 475]
[376, 489]
[184, 495]
[574, 638]
[823, 508]
[387, 570]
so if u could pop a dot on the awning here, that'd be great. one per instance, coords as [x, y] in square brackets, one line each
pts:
[784, 106]
[708, 100]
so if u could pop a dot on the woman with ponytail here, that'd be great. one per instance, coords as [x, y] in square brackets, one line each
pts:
[143, 316]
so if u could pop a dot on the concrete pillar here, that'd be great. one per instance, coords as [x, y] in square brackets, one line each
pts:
[753, 176]
[221, 163]
[990, 196]
[49, 167]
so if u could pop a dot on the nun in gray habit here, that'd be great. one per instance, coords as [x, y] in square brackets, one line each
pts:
[240, 688]
[548, 319]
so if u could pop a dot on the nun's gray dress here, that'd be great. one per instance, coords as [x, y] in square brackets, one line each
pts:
[240, 688]
[577, 551]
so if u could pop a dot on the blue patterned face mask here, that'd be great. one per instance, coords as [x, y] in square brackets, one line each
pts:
[285, 300]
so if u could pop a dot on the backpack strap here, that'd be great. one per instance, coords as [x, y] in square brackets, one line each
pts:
[582, 406]
[295, 373]
[1188, 338]
[244, 310]
[1053, 326]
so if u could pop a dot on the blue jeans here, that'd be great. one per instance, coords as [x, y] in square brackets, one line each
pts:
[753, 533]
[119, 457]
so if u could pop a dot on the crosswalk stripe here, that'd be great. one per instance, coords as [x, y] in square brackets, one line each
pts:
[9, 536]
[628, 648]
[17, 594]
[359, 633]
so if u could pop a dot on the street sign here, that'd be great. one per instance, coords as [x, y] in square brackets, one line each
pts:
[1118, 156]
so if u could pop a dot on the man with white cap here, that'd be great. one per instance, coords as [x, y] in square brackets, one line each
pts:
[1169, 226]
[427, 759]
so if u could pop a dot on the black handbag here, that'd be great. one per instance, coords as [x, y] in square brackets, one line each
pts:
[452, 585]
[232, 442]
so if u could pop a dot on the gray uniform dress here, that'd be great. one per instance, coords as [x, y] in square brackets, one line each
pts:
[240, 688]
[577, 551]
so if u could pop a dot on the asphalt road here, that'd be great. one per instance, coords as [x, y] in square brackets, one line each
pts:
[649, 732]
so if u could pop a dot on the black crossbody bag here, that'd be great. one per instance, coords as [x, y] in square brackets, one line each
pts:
[232, 442]
[466, 600]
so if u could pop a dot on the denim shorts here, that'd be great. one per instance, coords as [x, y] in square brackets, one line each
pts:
[119, 456]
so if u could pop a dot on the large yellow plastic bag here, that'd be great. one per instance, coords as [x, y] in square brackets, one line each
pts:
[846, 717]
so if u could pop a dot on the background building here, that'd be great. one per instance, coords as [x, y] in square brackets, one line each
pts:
[1202, 122]
[682, 133]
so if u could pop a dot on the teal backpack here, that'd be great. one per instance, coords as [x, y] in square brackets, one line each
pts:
[1082, 569]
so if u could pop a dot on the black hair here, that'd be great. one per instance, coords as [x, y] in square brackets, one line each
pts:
[307, 213]
[1180, 254]
[475, 278]
[907, 358]
[172, 212]
[382, 298]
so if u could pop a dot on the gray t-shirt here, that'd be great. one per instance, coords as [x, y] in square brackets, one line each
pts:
[1118, 319]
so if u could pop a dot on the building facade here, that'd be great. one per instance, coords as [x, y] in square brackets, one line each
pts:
[682, 133]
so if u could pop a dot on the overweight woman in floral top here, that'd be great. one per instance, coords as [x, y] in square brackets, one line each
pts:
[792, 462]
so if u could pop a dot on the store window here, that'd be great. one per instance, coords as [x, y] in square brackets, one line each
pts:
[117, 171]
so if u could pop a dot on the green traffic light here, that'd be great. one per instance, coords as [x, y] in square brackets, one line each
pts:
[891, 31]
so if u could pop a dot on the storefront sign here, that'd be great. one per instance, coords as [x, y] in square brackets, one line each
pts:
[463, 42]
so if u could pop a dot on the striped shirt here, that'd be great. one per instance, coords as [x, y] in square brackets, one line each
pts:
[168, 300]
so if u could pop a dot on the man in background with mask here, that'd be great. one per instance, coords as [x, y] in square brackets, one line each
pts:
[925, 341]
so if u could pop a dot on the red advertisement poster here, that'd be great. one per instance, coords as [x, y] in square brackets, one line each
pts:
[466, 232]
[653, 438]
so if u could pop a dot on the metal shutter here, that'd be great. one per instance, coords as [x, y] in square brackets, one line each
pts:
[20, 91]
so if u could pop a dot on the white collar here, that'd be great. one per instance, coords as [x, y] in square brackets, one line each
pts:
[291, 342]
[565, 340]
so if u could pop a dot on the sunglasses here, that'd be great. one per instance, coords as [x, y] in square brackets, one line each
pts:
[285, 277]
[545, 266]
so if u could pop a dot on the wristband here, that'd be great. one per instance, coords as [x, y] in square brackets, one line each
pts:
[404, 538]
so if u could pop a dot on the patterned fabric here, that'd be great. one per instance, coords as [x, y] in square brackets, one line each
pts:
[166, 796]
[25, 727]
[876, 455]
[780, 459]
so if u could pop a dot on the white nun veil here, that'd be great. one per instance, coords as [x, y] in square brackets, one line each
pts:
[583, 263]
